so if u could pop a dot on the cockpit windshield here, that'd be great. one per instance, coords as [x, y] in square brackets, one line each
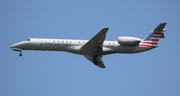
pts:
[28, 40]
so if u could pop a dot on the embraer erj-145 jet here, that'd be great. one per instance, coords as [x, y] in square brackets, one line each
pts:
[96, 47]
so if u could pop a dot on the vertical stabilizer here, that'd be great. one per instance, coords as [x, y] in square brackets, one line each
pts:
[153, 38]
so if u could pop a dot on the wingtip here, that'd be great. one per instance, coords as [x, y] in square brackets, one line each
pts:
[103, 67]
[164, 23]
[106, 28]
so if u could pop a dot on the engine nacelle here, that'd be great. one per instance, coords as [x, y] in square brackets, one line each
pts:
[128, 41]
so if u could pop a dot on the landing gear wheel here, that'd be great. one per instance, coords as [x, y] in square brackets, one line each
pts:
[95, 60]
[20, 54]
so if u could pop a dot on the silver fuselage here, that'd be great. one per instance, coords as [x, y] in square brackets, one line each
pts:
[74, 46]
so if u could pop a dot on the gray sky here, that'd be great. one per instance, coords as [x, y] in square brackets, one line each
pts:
[38, 73]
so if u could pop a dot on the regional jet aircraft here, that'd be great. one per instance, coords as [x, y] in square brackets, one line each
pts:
[96, 47]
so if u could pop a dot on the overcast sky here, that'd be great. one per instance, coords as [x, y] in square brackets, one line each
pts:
[37, 73]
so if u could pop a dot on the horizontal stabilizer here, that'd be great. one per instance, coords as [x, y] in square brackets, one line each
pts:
[160, 27]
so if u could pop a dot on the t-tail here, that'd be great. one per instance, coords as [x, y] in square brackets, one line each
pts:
[153, 38]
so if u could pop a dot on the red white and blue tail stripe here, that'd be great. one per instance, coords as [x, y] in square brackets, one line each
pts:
[153, 38]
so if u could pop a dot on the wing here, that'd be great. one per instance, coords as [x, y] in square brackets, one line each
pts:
[100, 62]
[96, 43]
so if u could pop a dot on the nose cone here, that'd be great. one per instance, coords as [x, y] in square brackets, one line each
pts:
[17, 45]
[14, 46]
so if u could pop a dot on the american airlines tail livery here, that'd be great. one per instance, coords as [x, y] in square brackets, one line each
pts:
[96, 47]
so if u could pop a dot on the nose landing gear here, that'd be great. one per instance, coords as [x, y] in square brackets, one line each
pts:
[19, 50]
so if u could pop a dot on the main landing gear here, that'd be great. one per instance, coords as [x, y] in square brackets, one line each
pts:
[95, 51]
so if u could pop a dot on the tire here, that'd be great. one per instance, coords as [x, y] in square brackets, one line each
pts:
[94, 59]
[20, 54]
[95, 62]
